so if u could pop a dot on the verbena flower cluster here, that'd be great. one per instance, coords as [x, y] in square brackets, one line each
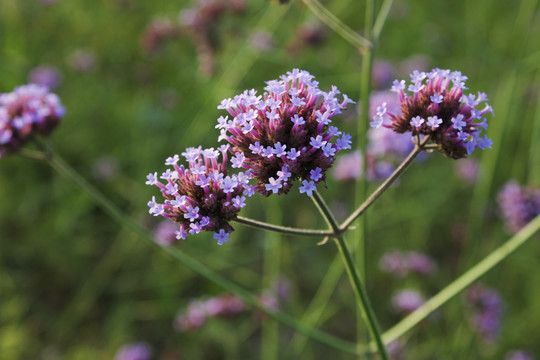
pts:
[434, 105]
[201, 196]
[135, 351]
[27, 110]
[407, 300]
[487, 310]
[518, 205]
[400, 264]
[285, 134]
[518, 355]
[199, 311]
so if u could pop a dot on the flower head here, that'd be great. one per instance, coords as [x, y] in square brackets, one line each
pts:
[201, 196]
[136, 351]
[487, 310]
[407, 300]
[288, 126]
[27, 110]
[518, 205]
[400, 263]
[435, 105]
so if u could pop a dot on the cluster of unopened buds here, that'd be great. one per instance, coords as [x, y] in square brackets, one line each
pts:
[434, 105]
[26, 111]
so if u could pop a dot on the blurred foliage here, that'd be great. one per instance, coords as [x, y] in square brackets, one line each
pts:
[73, 285]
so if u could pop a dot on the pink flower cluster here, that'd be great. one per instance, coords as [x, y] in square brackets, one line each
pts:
[430, 106]
[285, 134]
[201, 196]
[400, 263]
[518, 205]
[200, 310]
[27, 110]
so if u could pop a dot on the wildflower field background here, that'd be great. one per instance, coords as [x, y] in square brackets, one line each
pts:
[139, 84]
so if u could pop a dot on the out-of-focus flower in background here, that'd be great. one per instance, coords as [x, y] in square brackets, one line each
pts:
[134, 351]
[518, 205]
[45, 75]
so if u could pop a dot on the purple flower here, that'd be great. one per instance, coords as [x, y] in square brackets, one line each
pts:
[290, 127]
[82, 60]
[518, 205]
[29, 109]
[165, 233]
[518, 355]
[451, 116]
[386, 149]
[348, 167]
[308, 187]
[400, 263]
[486, 310]
[406, 301]
[382, 74]
[45, 75]
[200, 310]
[467, 170]
[201, 196]
[135, 351]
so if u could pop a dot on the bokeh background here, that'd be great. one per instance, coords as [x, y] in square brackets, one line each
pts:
[141, 80]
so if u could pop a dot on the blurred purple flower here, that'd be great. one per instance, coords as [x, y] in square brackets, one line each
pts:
[348, 166]
[198, 311]
[201, 310]
[400, 263]
[165, 232]
[518, 205]
[105, 167]
[262, 41]
[396, 349]
[157, 33]
[135, 351]
[382, 74]
[82, 60]
[467, 169]
[487, 310]
[407, 300]
[45, 75]
[386, 149]
[518, 355]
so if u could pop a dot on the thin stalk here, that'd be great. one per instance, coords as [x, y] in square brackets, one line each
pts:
[68, 172]
[381, 18]
[354, 277]
[385, 185]
[281, 229]
[458, 285]
[338, 26]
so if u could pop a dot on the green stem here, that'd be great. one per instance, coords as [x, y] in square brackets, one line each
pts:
[385, 185]
[281, 229]
[338, 26]
[381, 18]
[354, 277]
[463, 281]
[65, 170]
